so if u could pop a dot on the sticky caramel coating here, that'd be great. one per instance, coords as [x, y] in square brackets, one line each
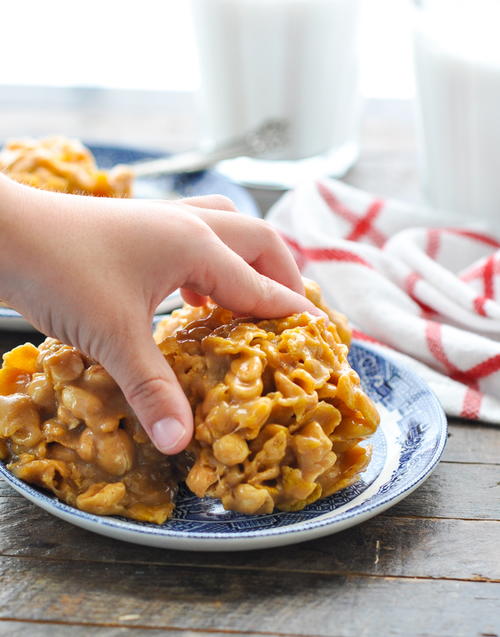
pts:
[186, 314]
[62, 165]
[65, 426]
[279, 413]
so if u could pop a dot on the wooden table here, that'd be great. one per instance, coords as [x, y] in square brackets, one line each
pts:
[428, 566]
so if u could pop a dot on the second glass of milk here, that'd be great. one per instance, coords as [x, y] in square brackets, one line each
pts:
[291, 60]
[457, 61]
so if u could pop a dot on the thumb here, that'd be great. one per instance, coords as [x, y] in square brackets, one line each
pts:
[152, 390]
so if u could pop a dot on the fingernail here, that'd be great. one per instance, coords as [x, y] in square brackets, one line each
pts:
[317, 312]
[167, 433]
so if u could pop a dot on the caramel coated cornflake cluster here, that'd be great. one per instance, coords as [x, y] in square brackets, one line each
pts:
[63, 165]
[279, 413]
[65, 426]
[279, 417]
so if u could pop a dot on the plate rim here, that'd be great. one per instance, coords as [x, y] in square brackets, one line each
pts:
[129, 530]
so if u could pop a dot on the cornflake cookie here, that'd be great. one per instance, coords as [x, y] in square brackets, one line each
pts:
[65, 426]
[62, 165]
[279, 413]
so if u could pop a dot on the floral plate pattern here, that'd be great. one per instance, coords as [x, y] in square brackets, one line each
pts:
[405, 449]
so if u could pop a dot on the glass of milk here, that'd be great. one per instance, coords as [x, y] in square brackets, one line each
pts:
[457, 62]
[295, 61]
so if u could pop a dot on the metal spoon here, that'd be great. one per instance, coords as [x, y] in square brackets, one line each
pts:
[269, 136]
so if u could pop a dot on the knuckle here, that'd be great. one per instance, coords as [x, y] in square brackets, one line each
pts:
[267, 287]
[268, 232]
[203, 278]
[221, 202]
[106, 343]
[264, 294]
[146, 391]
[196, 230]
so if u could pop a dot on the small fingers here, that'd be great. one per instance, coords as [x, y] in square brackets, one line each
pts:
[211, 202]
[191, 298]
[225, 277]
[257, 243]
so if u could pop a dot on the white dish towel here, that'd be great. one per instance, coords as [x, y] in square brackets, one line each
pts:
[423, 292]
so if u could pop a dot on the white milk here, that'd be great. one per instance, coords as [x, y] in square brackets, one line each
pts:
[457, 58]
[287, 59]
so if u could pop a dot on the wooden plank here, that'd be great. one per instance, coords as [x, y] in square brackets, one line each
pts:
[193, 599]
[6, 491]
[30, 629]
[453, 490]
[472, 442]
[384, 545]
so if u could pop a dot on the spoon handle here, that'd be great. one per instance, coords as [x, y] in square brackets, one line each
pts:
[269, 136]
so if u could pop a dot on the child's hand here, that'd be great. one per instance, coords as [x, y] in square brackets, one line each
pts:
[91, 272]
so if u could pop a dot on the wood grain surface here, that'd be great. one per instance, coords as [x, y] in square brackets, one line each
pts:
[429, 566]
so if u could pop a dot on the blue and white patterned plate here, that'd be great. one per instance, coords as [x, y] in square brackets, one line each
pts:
[406, 447]
[161, 187]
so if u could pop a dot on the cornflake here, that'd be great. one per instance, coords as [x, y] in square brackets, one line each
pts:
[279, 413]
[279, 417]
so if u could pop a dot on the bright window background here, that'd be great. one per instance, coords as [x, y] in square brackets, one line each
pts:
[149, 44]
